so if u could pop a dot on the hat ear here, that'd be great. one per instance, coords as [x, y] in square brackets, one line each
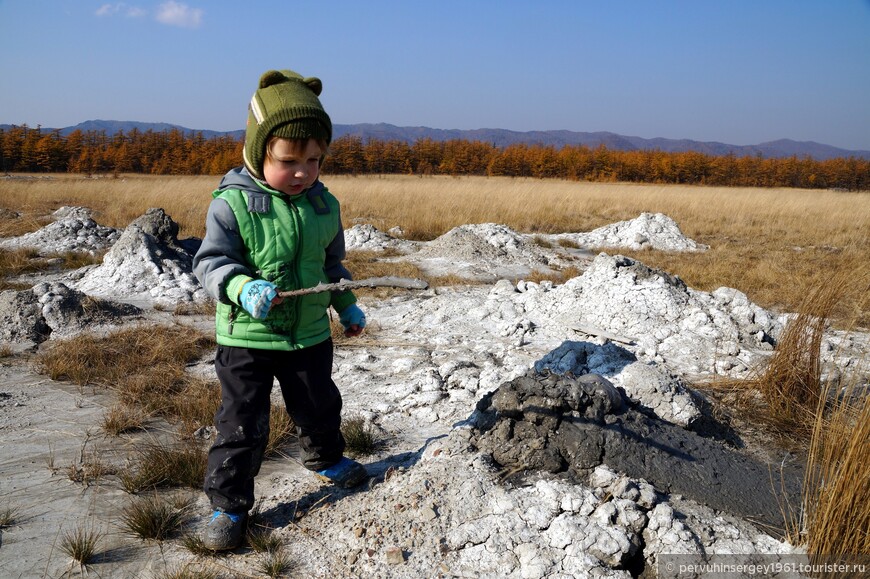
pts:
[314, 84]
[272, 77]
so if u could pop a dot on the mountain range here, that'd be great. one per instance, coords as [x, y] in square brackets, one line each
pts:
[503, 137]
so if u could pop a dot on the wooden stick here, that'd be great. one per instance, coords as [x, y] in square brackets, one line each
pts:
[346, 284]
[593, 331]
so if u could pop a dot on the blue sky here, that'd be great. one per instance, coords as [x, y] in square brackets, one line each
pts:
[737, 71]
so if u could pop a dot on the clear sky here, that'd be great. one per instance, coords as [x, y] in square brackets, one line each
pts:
[735, 71]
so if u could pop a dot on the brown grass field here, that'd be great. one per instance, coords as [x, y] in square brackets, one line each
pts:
[775, 245]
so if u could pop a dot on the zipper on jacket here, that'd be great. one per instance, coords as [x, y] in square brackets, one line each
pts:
[232, 320]
[297, 281]
[297, 303]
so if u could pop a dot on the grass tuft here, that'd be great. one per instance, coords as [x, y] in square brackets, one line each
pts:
[159, 465]
[153, 517]
[195, 404]
[18, 261]
[90, 468]
[187, 572]
[8, 516]
[358, 436]
[836, 498]
[263, 539]
[275, 564]
[206, 308]
[81, 544]
[121, 418]
[192, 541]
[76, 259]
[791, 384]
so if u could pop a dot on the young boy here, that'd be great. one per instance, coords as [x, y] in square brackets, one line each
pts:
[272, 226]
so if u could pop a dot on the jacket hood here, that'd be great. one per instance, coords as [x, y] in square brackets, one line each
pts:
[238, 178]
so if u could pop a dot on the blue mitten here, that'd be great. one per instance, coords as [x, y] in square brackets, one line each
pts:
[257, 296]
[352, 315]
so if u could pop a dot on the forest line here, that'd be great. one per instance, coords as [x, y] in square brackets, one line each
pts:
[173, 152]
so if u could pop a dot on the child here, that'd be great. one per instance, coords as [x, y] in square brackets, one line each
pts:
[273, 226]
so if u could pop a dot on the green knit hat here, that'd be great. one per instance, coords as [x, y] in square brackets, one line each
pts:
[285, 105]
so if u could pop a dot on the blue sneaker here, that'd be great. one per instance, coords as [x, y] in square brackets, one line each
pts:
[346, 473]
[224, 531]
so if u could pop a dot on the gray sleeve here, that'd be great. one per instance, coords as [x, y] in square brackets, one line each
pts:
[222, 253]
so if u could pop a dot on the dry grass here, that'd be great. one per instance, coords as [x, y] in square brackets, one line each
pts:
[275, 564]
[81, 544]
[154, 517]
[263, 539]
[90, 468]
[358, 436]
[9, 516]
[115, 202]
[193, 542]
[144, 365]
[157, 465]
[791, 382]
[784, 394]
[16, 262]
[829, 422]
[195, 404]
[187, 571]
[836, 509]
[122, 418]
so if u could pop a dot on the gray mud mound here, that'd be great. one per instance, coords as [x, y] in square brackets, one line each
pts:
[485, 251]
[73, 230]
[148, 263]
[651, 386]
[563, 424]
[55, 310]
[647, 231]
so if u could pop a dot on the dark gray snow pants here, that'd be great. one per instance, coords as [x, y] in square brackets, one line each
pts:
[242, 421]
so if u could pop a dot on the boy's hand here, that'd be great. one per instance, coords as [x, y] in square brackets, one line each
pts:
[353, 320]
[257, 297]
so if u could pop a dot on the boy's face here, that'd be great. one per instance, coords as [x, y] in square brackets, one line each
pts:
[292, 166]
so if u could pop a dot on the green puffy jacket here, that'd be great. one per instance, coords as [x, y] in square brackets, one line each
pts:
[254, 232]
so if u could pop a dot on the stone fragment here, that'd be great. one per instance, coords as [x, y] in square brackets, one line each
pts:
[395, 556]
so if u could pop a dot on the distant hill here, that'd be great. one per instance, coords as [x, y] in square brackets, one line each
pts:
[502, 138]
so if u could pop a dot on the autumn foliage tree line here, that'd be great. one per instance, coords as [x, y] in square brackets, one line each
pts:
[174, 152]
